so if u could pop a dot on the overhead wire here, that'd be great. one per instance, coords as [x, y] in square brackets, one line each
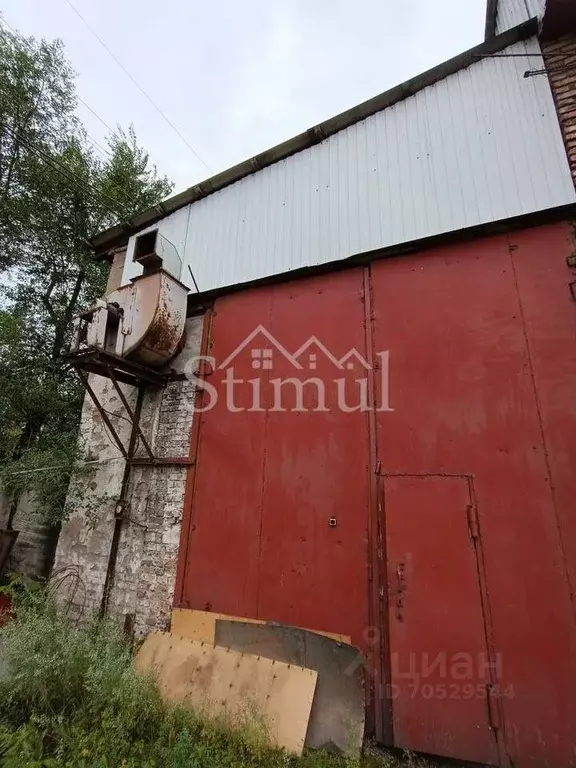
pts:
[96, 115]
[63, 466]
[102, 150]
[137, 84]
[69, 175]
[53, 162]
[29, 46]
[98, 147]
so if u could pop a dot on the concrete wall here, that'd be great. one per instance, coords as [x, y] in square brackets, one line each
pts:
[32, 551]
[146, 566]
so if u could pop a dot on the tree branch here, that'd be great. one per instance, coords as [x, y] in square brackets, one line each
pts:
[46, 300]
[67, 315]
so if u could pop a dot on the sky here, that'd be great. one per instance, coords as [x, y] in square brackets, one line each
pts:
[236, 78]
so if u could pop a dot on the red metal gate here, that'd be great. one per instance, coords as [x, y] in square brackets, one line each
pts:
[482, 340]
[278, 529]
[283, 520]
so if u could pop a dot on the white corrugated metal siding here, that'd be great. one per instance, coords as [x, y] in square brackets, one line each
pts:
[510, 13]
[482, 145]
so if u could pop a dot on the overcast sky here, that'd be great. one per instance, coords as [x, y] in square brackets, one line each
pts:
[239, 77]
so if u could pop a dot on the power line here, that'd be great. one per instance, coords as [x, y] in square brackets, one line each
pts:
[80, 99]
[63, 466]
[104, 123]
[64, 172]
[137, 84]
[71, 176]
[67, 174]
[103, 151]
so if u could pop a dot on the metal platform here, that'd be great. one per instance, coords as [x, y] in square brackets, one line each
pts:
[93, 360]
[119, 370]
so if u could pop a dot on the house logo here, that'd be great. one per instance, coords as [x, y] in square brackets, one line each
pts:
[261, 374]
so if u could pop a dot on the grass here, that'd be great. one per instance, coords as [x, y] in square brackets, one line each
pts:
[69, 697]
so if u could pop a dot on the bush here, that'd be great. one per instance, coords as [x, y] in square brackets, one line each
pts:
[69, 697]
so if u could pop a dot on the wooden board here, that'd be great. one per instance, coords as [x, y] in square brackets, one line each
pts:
[238, 686]
[337, 717]
[201, 625]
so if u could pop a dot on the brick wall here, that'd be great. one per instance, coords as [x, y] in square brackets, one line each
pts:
[560, 59]
[146, 565]
[116, 270]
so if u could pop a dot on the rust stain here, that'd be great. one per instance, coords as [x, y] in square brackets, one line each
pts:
[163, 335]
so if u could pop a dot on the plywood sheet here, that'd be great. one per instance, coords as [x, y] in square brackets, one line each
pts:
[200, 625]
[223, 682]
[338, 713]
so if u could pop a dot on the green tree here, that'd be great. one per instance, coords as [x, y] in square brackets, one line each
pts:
[55, 194]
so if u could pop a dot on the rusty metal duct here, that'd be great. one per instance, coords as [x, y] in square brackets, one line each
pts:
[151, 321]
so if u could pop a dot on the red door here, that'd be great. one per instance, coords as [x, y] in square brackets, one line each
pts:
[440, 671]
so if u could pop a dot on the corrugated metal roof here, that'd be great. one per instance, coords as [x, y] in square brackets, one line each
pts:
[481, 145]
[510, 13]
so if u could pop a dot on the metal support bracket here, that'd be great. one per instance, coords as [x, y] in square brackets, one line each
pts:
[101, 410]
[131, 414]
[108, 368]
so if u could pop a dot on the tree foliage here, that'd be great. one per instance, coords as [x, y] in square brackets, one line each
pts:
[56, 193]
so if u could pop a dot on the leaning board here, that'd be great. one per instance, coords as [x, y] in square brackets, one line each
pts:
[338, 713]
[222, 682]
[200, 625]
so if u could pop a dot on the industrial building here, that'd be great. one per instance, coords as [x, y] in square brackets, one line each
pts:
[348, 398]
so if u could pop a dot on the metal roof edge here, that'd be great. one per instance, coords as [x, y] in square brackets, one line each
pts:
[120, 233]
[491, 8]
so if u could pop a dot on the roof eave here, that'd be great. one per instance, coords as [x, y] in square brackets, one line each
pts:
[120, 233]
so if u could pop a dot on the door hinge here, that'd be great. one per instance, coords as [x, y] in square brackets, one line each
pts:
[472, 513]
[493, 712]
[370, 573]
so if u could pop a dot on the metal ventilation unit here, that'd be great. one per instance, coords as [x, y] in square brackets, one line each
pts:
[130, 335]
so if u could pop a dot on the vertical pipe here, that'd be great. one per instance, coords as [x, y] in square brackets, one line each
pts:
[120, 504]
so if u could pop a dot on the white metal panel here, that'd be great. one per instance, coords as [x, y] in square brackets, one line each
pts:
[482, 145]
[510, 13]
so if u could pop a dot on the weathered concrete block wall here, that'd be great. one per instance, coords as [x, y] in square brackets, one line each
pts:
[560, 58]
[146, 566]
[31, 554]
